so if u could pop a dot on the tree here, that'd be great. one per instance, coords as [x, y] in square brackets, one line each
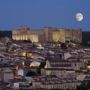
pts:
[84, 86]
[63, 46]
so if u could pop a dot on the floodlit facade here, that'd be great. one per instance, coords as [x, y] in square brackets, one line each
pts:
[47, 34]
[73, 34]
[58, 35]
[24, 34]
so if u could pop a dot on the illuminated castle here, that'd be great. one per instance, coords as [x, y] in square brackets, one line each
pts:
[47, 34]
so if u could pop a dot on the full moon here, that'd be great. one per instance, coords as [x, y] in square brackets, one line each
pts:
[79, 17]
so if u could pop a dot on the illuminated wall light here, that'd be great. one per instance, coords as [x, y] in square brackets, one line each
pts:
[23, 54]
[88, 67]
[23, 63]
[16, 72]
[29, 55]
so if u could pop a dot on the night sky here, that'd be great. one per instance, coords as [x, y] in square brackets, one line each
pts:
[44, 13]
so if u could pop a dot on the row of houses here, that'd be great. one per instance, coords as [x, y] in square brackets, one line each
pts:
[54, 82]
